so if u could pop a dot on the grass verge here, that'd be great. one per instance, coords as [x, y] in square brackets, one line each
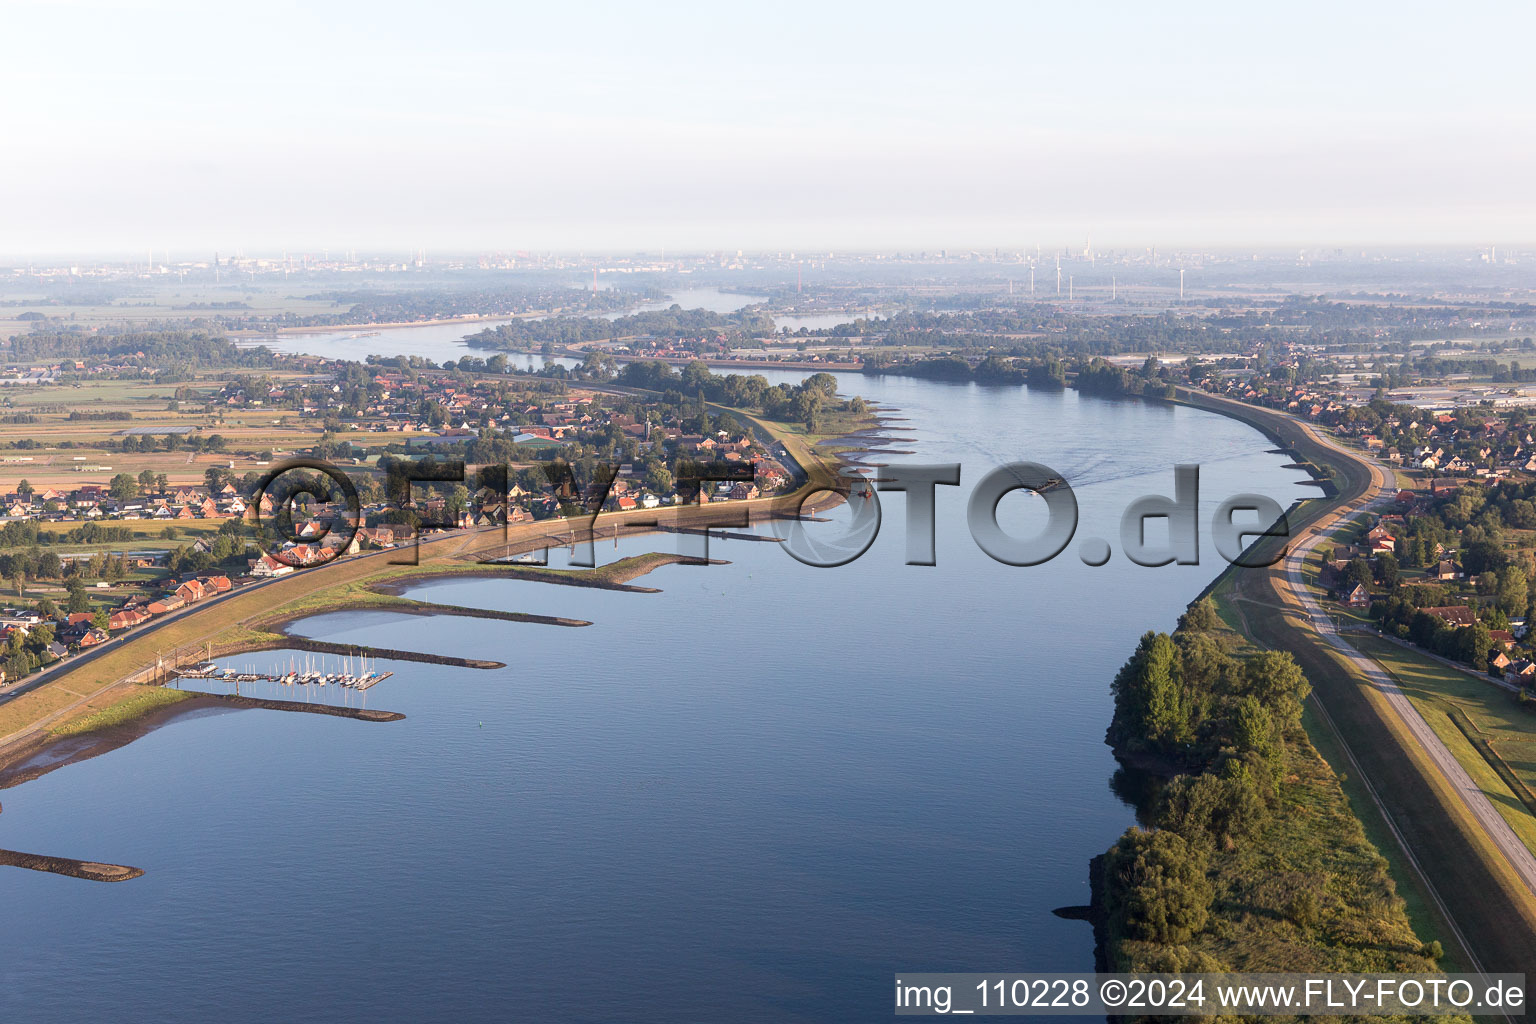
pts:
[136, 702]
[1441, 695]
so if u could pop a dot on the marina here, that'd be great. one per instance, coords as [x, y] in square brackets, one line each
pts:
[305, 672]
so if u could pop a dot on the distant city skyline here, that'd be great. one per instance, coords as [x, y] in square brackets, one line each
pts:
[470, 127]
[616, 264]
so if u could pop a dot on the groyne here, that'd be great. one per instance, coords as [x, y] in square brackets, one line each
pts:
[94, 871]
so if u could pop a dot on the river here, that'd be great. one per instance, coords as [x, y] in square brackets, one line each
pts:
[754, 796]
[443, 341]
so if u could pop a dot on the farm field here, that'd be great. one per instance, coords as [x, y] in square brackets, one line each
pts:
[155, 303]
[60, 437]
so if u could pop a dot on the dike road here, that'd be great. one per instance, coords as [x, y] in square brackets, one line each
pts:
[1498, 830]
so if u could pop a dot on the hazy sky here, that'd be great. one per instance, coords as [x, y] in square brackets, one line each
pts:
[446, 125]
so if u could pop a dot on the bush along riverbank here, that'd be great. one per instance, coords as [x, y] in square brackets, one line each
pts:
[1253, 860]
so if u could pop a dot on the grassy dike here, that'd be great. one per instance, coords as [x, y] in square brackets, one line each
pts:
[1457, 886]
[1490, 735]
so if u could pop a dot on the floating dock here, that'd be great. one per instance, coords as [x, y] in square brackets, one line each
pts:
[309, 673]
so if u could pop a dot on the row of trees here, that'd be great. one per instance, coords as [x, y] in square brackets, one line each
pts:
[1040, 370]
[169, 443]
[38, 564]
[19, 533]
[1339, 326]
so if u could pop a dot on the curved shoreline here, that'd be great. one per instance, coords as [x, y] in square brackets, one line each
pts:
[1424, 815]
[24, 764]
[1286, 432]
[17, 764]
[27, 756]
[32, 762]
[1288, 437]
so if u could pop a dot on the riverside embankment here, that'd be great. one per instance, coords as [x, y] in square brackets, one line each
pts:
[764, 764]
[66, 690]
[1463, 872]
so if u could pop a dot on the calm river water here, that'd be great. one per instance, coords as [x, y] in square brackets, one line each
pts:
[442, 342]
[754, 796]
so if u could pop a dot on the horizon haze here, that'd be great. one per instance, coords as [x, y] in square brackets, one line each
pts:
[191, 128]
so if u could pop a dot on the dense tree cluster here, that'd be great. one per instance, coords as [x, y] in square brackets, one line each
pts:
[170, 352]
[412, 306]
[1187, 701]
[804, 403]
[556, 332]
[1223, 720]
[1160, 886]
[979, 321]
[1225, 876]
[1043, 369]
[26, 652]
[1474, 528]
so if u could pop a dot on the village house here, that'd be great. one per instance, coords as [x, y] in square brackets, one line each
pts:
[1359, 597]
[125, 618]
[1380, 540]
[1520, 673]
[190, 591]
[1456, 615]
[267, 566]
